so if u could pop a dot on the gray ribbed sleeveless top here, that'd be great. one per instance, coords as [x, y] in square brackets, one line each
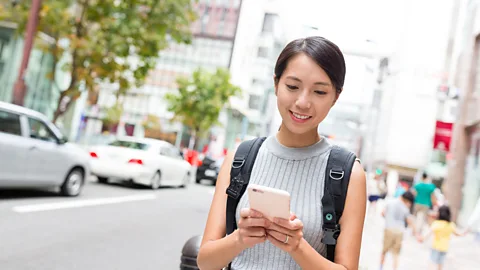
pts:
[300, 171]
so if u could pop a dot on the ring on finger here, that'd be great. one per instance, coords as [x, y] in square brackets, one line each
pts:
[286, 240]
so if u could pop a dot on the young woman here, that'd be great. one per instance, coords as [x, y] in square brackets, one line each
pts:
[309, 77]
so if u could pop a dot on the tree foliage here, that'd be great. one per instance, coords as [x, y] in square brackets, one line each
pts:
[152, 122]
[200, 98]
[107, 41]
[113, 114]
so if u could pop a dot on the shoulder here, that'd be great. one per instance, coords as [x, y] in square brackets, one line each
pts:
[358, 180]
[358, 172]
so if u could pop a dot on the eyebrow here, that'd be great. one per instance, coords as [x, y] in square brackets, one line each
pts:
[298, 80]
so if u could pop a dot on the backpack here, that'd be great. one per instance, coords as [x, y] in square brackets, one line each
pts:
[337, 177]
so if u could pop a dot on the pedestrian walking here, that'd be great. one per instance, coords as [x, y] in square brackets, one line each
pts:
[424, 201]
[396, 213]
[442, 230]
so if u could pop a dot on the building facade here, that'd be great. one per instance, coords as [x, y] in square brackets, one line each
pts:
[41, 94]
[259, 41]
[409, 107]
[462, 186]
[211, 48]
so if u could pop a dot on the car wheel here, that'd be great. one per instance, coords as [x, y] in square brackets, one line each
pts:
[186, 180]
[73, 184]
[156, 180]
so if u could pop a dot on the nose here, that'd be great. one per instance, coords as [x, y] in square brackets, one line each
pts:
[303, 101]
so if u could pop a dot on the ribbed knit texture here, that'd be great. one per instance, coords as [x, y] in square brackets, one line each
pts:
[301, 172]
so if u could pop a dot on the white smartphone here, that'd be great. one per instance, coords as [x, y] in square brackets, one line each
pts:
[271, 202]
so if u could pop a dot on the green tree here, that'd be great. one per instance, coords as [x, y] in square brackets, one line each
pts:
[152, 122]
[106, 41]
[113, 115]
[200, 98]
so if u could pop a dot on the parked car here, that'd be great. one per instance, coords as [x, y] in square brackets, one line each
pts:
[209, 170]
[35, 154]
[144, 161]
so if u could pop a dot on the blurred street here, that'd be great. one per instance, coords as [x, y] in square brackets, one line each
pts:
[463, 254]
[144, 234]
[119, 227]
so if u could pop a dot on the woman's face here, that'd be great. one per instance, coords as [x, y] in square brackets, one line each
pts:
[305, 95]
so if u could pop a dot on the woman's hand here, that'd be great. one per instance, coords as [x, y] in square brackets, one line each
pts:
[251, 228]
[286, 234]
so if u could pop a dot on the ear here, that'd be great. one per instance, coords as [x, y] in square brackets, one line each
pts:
[275, 84]
[337, 95]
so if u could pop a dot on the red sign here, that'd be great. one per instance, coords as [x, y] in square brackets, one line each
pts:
[443, 136]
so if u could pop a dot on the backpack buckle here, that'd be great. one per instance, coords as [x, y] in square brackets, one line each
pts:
[235, 187]
[330, 235]
[238, 163]
[336, 175]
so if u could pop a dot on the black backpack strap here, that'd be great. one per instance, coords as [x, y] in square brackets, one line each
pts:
[242, 166]
[337, 176]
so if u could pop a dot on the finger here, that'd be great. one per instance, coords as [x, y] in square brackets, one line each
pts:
[277, 235]
[255, 222]
[254, 232]
[251, 241]
[274, 241]
[247, 212]
[292, 216]
[280, 229]
[252, 222]
[291, 225]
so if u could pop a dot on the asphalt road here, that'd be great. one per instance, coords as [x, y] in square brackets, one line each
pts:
[107, 227]
[113, 227]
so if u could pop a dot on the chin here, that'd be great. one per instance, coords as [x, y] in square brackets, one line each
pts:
[295, 129]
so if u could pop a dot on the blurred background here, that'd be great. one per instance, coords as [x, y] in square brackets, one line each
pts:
[98, 96]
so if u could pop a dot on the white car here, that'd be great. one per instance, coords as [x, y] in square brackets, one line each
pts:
[141, 161]
[35, 154]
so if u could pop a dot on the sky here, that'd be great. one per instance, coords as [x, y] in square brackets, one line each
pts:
[348, 22]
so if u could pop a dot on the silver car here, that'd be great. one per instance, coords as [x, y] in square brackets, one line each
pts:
[35, 154]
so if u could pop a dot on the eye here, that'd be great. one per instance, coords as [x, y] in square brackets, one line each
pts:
[291, 87]
[321, 92]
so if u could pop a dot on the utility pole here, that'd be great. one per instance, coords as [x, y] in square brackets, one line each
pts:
[19, 88]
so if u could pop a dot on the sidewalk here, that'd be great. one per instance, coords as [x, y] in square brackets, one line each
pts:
[464, 253]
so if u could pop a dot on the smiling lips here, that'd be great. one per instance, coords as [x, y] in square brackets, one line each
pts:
[299, 118]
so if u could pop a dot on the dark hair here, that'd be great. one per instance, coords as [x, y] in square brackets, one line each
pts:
[424, 175]
[444, 213]
[324, 52]
[408, 195]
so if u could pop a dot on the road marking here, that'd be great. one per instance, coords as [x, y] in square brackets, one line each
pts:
[80, 203]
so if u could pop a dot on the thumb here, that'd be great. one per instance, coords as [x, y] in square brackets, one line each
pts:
[292, 216]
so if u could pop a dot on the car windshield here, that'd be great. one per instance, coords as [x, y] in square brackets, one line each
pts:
[131, 145]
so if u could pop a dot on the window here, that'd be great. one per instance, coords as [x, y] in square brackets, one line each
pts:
[39, 130]
[256, 82]
[254, 102]
[132, 145]
[10, 123]
[268, 23]
[170, 151]
[262, 52]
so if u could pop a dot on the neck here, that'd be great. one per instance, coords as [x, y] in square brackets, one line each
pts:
[289, 139]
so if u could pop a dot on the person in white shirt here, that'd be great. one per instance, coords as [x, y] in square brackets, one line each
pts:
[376, 188]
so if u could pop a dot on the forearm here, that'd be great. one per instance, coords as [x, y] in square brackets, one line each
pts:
[308, 258]
[219, 253]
